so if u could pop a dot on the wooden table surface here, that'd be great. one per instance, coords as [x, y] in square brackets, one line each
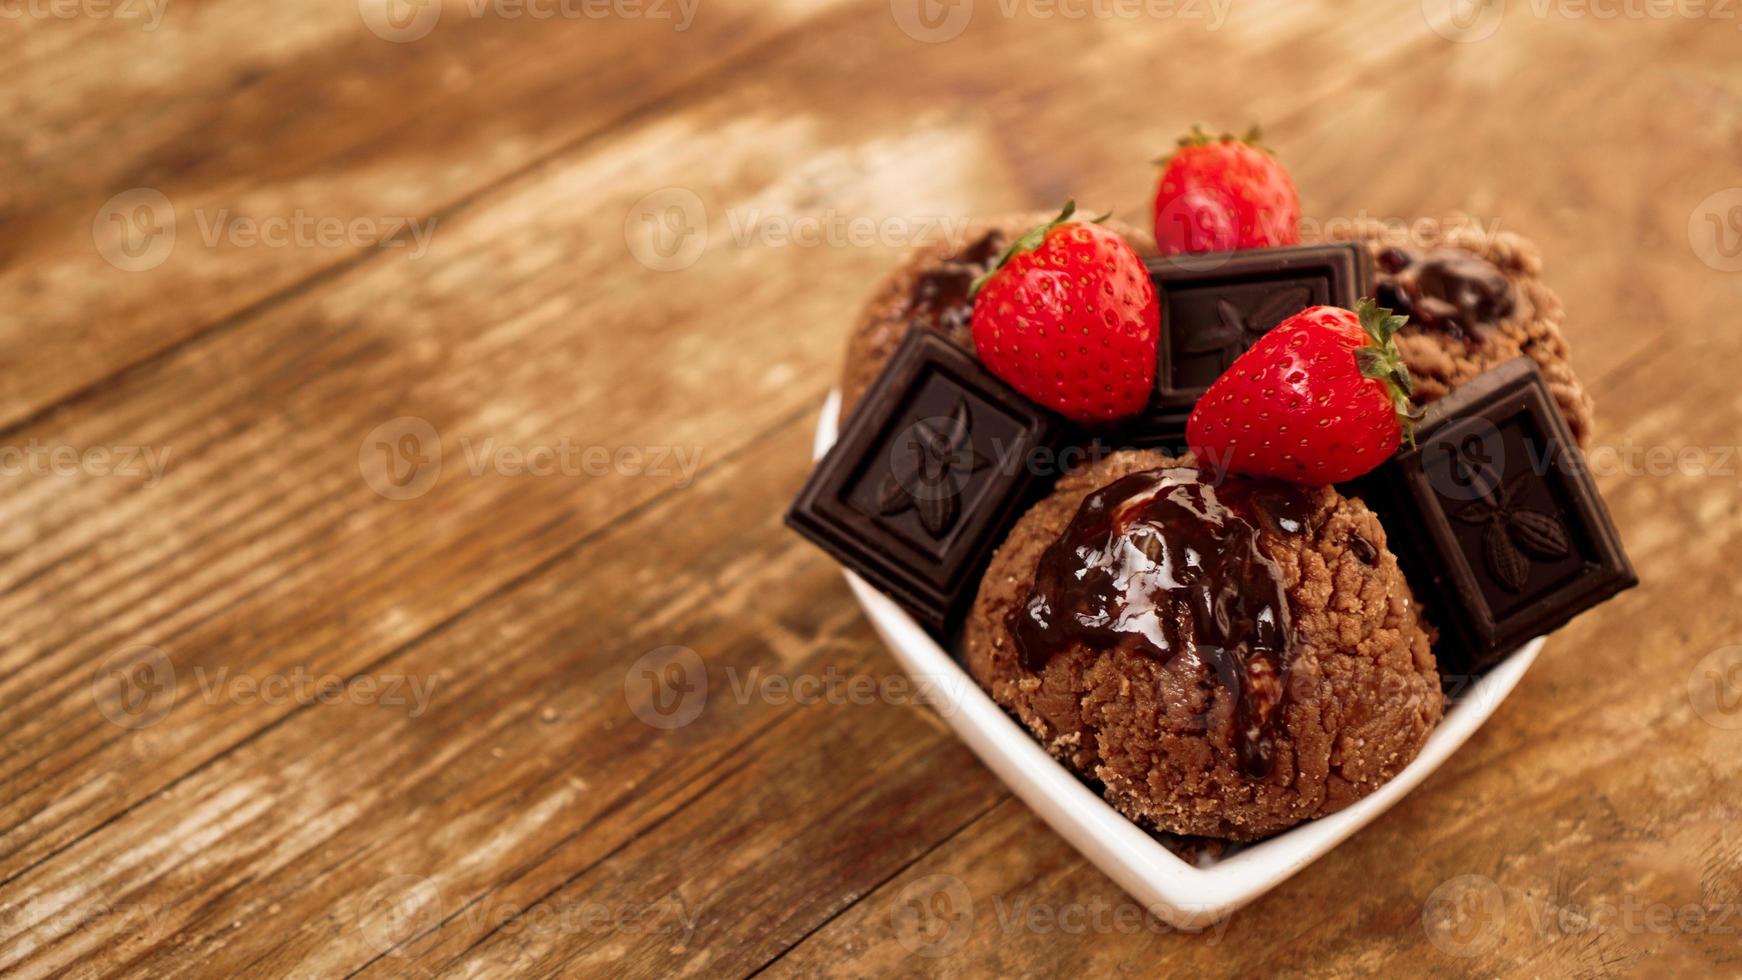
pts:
[399, 404]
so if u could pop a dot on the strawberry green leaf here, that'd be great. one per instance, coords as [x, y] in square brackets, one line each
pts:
[1380, 360]
[1027, 243]
[1198, 137]
[1372, 363]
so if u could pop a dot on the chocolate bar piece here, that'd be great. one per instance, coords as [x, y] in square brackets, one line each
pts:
[1496, 520]
[929, 472]
[1215, 306]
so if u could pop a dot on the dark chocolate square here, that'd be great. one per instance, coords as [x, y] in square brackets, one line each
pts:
[1214, 307]
[927, 475]
[1496, 519]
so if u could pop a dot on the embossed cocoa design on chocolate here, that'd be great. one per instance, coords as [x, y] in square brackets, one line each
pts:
[1516, 535]
[1210, 315]
[930, 466]
[1446, 289]
[1496, 520]
[1239, 328]
[905, 499]
[939, 300]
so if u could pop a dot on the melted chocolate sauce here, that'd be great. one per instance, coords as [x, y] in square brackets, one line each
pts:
[1167, 564]
[1446, 289]
[1363, 549]
[940, 301]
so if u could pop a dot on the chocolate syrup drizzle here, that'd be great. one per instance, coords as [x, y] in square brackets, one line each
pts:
[939, 299]
[1165, 563]
[1446, 289]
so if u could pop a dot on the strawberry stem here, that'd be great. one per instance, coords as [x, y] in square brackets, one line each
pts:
[1028, 243]
[1198, 137]
[1382, 361]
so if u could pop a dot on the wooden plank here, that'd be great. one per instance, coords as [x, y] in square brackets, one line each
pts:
[529, 763]
[264, 550]
[274, 145]
[341, 361]
[264, 547]
[201, 564]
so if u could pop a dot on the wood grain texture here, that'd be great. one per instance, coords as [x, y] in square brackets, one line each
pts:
[491, 779]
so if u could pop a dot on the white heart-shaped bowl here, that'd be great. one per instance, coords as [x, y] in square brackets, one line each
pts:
[1184, 895]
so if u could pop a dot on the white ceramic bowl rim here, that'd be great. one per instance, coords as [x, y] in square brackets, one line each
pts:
[1182, 894]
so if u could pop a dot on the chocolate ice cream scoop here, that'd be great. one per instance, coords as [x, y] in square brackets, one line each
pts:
[1475, 299]
[1226, 659]
[1165, 563]
[929, 291]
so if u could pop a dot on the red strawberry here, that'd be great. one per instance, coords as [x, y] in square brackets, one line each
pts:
[1220, 193]
[1322, 398]
[1069, 317]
